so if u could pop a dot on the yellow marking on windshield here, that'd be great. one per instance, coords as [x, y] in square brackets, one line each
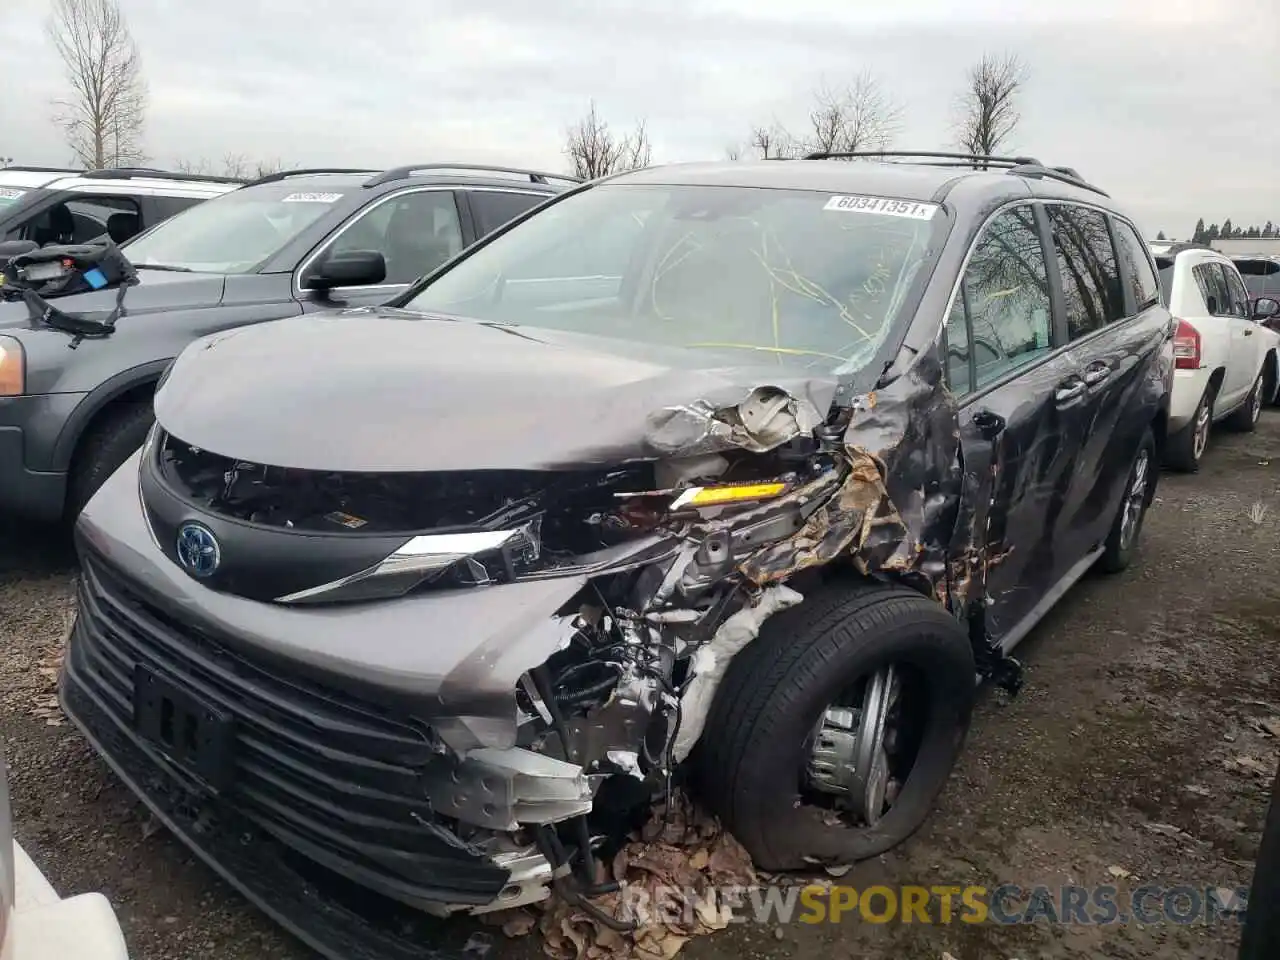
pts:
[753, 346]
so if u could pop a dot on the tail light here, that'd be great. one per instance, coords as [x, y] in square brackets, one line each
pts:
[1186, 346]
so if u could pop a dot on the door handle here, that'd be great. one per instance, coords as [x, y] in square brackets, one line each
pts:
[1248, 331]
[1096, 374]
[1069, 390]
[989, 423]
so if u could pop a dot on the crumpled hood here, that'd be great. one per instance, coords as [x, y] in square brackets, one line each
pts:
[157, 291]
[385, 390]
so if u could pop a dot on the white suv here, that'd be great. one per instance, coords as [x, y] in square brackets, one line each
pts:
[35, 923]
[66, 206]
[1225, 357]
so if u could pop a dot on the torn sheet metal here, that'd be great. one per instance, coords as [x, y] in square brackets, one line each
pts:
[895, 511]
[712, 660]
[764, 420]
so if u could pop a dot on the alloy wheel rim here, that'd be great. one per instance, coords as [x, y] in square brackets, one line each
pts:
[1200, 438]
[1135, 501]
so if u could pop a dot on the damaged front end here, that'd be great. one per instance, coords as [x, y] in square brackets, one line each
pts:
[535, 652]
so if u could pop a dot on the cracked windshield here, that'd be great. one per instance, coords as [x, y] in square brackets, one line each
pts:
[791, 276]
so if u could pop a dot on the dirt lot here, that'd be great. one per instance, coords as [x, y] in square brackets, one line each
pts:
[1137, 753]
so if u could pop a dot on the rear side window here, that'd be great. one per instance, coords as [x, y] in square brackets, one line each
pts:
[1087, 265]
[492, 209]
[1239, 295]
[1135, 266]
[1261, 277]
[1001, 317]
[168, 206]
[1213, 288]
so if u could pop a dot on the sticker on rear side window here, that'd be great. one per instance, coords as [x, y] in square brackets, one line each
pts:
[885, 206]
[8, 193]
[312, 198]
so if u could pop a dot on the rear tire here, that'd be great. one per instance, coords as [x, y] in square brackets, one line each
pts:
[1186, 448]
[751, 759]
[1245, 419]
[109, 443]
[1139, 490]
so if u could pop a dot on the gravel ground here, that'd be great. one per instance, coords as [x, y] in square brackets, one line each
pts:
[1137, 753]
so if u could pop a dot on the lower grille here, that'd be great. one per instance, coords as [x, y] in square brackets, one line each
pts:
[338, 781]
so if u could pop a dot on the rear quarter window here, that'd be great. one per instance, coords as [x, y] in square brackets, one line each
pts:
[494, 208]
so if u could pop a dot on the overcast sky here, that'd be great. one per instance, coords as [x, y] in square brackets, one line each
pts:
[1171, 105]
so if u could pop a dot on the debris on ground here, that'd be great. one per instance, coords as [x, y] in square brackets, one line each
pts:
[681, 853]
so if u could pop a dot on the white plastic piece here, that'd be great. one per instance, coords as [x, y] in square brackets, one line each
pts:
[46, 927]
[712, 660]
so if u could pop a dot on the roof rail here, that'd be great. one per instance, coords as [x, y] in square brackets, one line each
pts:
[1018, 166]
[25, 169]
[305, 172]
[1061, 174]
[402, 173]
[128, 173]
[969, 159]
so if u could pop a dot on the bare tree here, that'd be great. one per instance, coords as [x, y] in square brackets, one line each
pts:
[233, 165]
[859, 117]
[856, 118]
[988, 108]
[106, 111]
[594, 151]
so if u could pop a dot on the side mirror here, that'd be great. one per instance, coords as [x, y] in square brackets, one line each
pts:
[1264, 308]
[351, 268]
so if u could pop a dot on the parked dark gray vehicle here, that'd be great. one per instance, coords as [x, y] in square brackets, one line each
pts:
[735, 472]
[288, 244]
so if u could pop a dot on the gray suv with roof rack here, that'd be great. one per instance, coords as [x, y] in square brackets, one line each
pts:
[48, 205]
[295, 242]
[732, 475]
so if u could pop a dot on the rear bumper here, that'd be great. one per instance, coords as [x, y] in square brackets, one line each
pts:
[46, 927]
[1188, 388]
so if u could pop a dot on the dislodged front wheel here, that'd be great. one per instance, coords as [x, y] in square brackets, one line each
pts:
[834, 731]
[849, 758]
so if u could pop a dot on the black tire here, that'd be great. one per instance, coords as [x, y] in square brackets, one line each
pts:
[1119, 552]
[110, 441]
[1183, 452]
[1261, 937]
[1245, 418]
[750, 756]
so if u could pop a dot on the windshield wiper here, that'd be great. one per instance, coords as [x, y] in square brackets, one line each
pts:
[162, 266]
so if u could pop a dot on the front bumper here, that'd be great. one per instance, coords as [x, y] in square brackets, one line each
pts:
[320, 908]
[33, 478]
[331, 800]
[31, 494]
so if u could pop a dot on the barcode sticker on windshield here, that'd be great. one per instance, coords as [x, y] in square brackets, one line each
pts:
[312, 198]
[884, 206]
[8, 193]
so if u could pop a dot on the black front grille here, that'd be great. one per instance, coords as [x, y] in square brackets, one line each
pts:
[337, 780]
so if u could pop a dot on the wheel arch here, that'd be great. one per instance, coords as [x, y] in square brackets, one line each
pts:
[131, 386]
[1270, 376]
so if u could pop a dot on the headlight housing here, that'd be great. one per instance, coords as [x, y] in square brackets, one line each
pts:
[13, 368]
